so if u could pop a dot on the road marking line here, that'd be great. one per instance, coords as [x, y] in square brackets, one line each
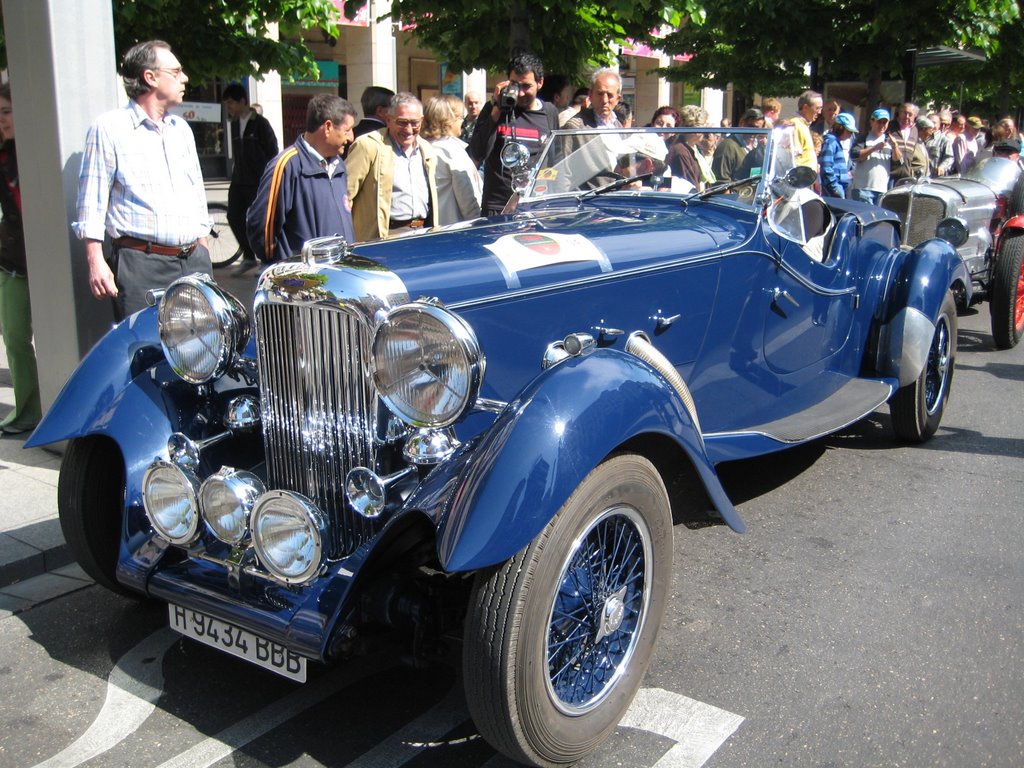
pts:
[698, 729]
[223, 744]
[133, 688]
[417, 735]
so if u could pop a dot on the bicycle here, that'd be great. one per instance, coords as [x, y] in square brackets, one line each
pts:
[223, 245]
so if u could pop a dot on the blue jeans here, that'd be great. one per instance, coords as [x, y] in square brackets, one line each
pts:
[867, 196]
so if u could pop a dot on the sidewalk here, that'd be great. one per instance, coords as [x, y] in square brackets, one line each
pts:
[30, 539]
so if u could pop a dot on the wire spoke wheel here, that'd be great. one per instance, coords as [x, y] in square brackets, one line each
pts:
[223, 245]
[598, 610]
[917, 408]
[559, 637]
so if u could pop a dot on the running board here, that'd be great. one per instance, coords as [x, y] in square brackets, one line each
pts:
[850, 402]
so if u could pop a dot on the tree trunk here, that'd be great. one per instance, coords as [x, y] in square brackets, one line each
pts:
[874, 95]
[519, 28]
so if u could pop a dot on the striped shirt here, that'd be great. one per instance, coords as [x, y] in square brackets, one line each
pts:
[140, 179]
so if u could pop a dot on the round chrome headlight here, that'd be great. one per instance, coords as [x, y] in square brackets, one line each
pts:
[169, 495]
[288, 533]
[427, 365]
[202, 328]
[227, 498]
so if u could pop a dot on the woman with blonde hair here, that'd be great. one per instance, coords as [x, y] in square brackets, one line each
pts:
[458, 182]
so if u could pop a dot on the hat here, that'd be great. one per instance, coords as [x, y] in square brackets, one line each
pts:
[1006, 145]
[923, 123]
[848, 121]
[974, 122]
[880, 114]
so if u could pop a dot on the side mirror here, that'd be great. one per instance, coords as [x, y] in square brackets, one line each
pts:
[801, 177]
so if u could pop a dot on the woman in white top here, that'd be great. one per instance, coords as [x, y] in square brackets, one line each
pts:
[458, 182]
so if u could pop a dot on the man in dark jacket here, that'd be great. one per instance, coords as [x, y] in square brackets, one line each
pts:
[253, 143]
[528, 121]
[304, 190]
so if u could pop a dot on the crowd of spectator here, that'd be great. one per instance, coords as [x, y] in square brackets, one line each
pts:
[402, 167]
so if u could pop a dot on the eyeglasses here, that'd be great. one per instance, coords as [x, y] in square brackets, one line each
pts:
[404, 123]
[172, 71]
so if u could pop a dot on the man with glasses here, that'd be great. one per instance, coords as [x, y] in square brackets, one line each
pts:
[391, 175]
[808, 107]
[304, 190]
[141, 183]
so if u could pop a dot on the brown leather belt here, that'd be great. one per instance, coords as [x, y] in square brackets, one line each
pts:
[410, 223]
[177, 251]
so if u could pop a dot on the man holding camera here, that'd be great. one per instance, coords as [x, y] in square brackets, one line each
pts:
[514, 114]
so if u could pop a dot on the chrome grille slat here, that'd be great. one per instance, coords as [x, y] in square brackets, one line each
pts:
[319, 408]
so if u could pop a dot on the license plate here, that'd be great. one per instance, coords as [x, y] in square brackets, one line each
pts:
[238, 642]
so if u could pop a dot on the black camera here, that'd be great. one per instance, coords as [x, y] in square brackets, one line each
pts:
[508, 96]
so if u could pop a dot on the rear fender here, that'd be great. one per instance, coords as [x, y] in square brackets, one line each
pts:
[908, 321]
[501, 492]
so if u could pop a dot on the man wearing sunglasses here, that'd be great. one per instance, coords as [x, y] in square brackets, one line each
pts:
[391, 175]
[141, 183]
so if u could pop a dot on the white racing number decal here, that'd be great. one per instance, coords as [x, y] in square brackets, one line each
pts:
[533, 250]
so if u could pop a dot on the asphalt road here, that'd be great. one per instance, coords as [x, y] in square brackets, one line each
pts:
[871, 616]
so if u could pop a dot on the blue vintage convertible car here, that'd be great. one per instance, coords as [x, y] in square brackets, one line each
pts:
[489, 431]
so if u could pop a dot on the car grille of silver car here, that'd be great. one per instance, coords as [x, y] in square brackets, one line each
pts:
[926, 212]
[319, 409]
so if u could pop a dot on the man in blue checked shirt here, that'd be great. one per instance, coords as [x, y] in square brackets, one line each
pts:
[141, 183]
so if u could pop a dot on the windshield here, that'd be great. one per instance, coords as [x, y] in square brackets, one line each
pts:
[680, 161]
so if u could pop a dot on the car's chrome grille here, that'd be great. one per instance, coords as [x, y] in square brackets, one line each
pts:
[925, 211]
[318, 409]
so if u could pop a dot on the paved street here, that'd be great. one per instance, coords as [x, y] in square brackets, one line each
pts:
[871, 616]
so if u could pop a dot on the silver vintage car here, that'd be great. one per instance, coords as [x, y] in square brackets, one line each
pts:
[989, 201]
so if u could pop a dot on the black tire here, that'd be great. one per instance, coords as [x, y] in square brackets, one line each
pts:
[1017, 197]
[90, 501]
[223, 245]
[917, 408]
[543, 609]
[1007, 302]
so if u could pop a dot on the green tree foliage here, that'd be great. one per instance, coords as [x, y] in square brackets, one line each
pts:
[764, 45]
[993, 88]
[223, 38]
[566, 34]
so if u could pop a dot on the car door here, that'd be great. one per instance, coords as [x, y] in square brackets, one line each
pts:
[811, 293]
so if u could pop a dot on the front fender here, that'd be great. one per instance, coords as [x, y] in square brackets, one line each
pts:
[918, 290]
[502, 492]
[92, 396]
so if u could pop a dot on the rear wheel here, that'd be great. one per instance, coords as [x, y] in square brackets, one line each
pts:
[558, 638]
[917, 408]
[90, 501]
[1007, 302]
[223, 245]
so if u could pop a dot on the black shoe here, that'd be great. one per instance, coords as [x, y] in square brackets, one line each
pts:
[245, 265]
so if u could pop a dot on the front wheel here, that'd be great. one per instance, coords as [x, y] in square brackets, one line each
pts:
[917, 408]
[223, 245]
[90, 502]
[558, 638]
[1007, 302]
